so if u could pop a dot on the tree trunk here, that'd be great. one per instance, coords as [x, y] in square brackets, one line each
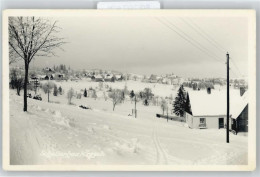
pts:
[167, 114]
[135, 107]
[48, 96]
[18, 91]
[114, 105]
[25, 87]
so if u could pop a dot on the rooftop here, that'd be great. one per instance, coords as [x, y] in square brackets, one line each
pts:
[204, 104]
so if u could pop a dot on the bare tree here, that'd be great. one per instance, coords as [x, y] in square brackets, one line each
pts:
[16, 80]
[116, 96]
[163, 105]
[47, 87]
[70, 95]
[13, 57]
[30, 37]
[135, 77]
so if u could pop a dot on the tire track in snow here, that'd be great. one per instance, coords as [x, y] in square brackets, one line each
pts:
[161, 157]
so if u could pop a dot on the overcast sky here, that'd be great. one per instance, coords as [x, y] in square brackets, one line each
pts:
[146, 45]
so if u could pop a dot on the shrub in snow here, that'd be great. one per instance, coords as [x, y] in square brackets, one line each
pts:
[55, 90]
[105, 95]
[100, 84]
[154, 101]
[147, 94]
[60, 90]
[110, 89]
[47, 87]
[59, 119]
[78, 96]
[70, 95]
[116, 96]
[94, 94]
[132, 94]
[146, 103]
[163, 105]
[17, 81]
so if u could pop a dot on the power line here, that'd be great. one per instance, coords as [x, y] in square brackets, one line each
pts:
[187, 39]
[232, 61]
[233, 73]
[193, 40]
[202, 34]
[208, 36]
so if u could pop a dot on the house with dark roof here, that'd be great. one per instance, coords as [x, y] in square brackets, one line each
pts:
[108, 78]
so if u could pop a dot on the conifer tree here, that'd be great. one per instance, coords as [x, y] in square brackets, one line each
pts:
[60, 90]
[55, 90]
[179, 103]
[187, 107]
[85, 93]
[132, 94]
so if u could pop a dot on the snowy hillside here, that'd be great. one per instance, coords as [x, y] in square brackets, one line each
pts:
[58, 133]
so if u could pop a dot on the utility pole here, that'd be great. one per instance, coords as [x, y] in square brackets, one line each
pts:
[135, 107]
[227, 98]
[167, 113]
[36, 84]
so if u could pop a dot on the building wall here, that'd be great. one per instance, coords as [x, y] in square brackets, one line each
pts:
[212, 122]
[189, 119]
[242, 121]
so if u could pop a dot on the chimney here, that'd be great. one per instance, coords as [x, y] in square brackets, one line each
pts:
[242, 91]
[209, 90]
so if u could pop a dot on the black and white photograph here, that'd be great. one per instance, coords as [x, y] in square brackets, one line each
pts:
[129, 90]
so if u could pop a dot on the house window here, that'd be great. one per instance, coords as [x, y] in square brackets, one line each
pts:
[202, 121]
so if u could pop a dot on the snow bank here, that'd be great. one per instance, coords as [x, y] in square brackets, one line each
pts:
[61, 120]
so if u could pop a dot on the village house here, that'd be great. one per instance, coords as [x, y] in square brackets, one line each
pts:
[88, 75]
[209, 108]
[108, 78]
[153, 79]
[118, 77]
[59, 76]
[47, 77]
[42, 77]
[47, 69]
[99, 78]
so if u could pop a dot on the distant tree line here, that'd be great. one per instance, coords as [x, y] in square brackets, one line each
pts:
[198, 85]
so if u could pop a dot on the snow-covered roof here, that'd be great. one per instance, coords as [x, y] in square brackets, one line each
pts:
[240, 107]
[98, 76]
[118, 76]
[204, 104]
[109, 76]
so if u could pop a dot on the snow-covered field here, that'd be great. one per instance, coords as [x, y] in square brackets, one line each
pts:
[137, 86]
[58, 133]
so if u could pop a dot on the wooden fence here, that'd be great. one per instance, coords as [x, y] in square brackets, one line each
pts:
[174, 118]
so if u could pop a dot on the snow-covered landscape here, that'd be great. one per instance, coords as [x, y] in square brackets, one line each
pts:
[58, 133]
[128, 90]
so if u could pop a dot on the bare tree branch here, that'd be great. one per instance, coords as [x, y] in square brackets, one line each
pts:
[30, 37]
